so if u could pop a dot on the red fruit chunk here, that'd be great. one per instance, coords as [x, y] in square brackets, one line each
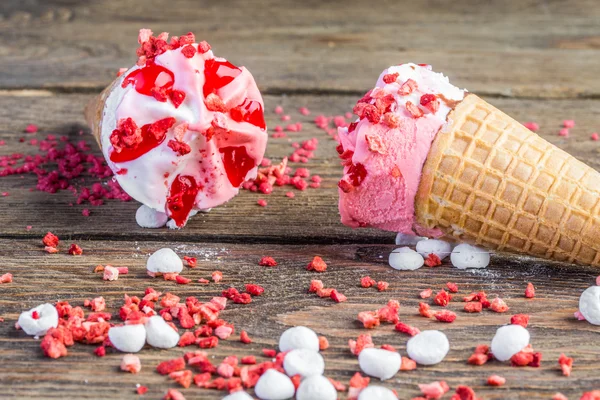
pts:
[520, 319]
[382, 286]
[208, 343]
[166, 367]
[362, 342]
[184, 378]
[496, 380]
[434, 390]
[254, 290]
[390, 78]
[498, 305]
[473, 307]
[452, 287]
[445, 316]
[323, 343]
[425, 294]
[179, 147]
[269, 353]
[566, 364]
[367, 282]
[177, 97]
[315, 286]
[244, 338]
[407, 364]
[191, 261]
[173, 394]
[369, 319]
[478, 359]
[425, 310]
[337, 296]
[407, 87]
[404, 328]
[317, 264]
[433, 260]
[430, 102]
[442, 298]
[530, 291]
[464, 393]
[188, 51]
[50, 240]
[187, 339]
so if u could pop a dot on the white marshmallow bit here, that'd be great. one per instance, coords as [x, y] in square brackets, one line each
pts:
[273, 385]
[316, 387]
[376, 393]
[466, 256]
[405, 259]
[147, 217]
[38, 320]
[303, 362]
[380, 363]
[128, 338]
[589, 304]
[239, 395]
[299, 337]
[164, 261]
[508, 341]
[402, 239]
[160, 334]
[438, 247]
[428, 347]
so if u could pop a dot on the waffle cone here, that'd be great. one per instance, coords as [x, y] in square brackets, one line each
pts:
[490, 181]
[94, 111]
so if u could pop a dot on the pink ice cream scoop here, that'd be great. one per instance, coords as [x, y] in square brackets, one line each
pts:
[182, 129]
[383, 152]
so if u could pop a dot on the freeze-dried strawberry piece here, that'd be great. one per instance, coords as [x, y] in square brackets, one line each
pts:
[432, 260]
[566, 364]
[191, 261]
[498, 305]
[473, 307]
[188, 51]
[425, 310]
[245, 338]
[177, 97]
[50, 240]
[369, 319]
[187, 339]
[496, 380]
[337, 296]
[520, 319]
[178, 147]
[407, 364]
[203, 47]
[390, 78]
[269, 352]
[445, 316]
[382, 286]
[522, 359]
[404, 328]
[452, 287]
[267, 262]
[464, 393]
[339, 386]
[182, 280]
[208, 343]
[389, 312]
[52, 347]
[324, 292]
[75, 250]
[425, 294]
[530, 291]
[6, 278]
[248, 360]
[537, 360]
[254, 290]
[317, 264]
[478, 359]
[442, 298]
[323, 343]
[367, 282]
[215, 103]
[315, 286]
[217, 276]
[166, 367]
[434, 390]
[430, 102]
[407, 87]
[363, 341]
[173, 394]
[593, 395]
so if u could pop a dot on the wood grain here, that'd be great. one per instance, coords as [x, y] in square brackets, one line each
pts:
[311, 217]
[530, 48]
[39, 277]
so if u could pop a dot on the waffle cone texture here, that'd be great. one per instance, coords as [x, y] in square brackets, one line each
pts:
[490, 181]
[94, 111]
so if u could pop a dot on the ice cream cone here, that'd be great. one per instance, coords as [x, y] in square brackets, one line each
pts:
[489, 180]
[94, 110]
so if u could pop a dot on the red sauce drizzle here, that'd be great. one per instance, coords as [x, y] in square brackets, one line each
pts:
[148, 78]
[218, 74]
[149, 142]
[237, 163]
[182, 197]
[252, 112]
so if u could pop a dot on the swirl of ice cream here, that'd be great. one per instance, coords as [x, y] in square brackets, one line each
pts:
[383, 152]
[182, 130]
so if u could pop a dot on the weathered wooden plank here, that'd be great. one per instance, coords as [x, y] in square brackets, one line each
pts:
[311, 216]
[530, 48]
[39, 277]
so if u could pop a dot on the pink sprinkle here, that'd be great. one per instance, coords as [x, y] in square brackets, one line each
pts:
[28, 227]
[594, 136]
[532, 126]
[31, 128]
[285, 117]
[564, 132]
[278, 110]
[304, 111]
[85, 212]
[262, 202]
[568, 123]
[291, 195]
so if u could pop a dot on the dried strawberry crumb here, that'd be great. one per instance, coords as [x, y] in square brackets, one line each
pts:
[530, 291]
[496, 380]
[191, 261]
[75, 250]
[425, 311]
[434, 390]
[413, 110]
[166, 367]
[473, 307]
[520, 319]
[245, 338]
[568, 123]
[323, 343]
[50, 240]
[324, 292]
[267, 262]
[498, 305]
[337, 296]
[433, 260]
[262, 202]
[367, 282]
[173, 394]
[369, 319]
[317, 264]
[269, 352]
[566, 364]
[178, 147]
[442, 298]
[254, 290]
[425, 294]
[478, 359]
[382, 286]
[362, 342]
[177, 97]
[315, 286]
[452, 287]
[445, 316]
[217, 276]
[340, 387]
[390, 78]
[464, 393]
[188, 51]
[532, 126]
[6, 278]
[407, 364]
[404, 328]
[430, 102]
[203, 47]
[208, 343]
[407, 87]
[141, 390]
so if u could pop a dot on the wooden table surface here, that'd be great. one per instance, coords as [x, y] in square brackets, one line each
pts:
[537, 60]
